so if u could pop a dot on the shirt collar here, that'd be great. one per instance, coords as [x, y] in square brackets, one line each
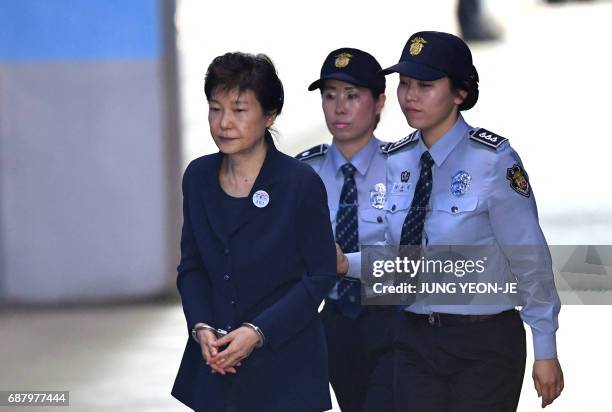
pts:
[442, 148]
[361, 160]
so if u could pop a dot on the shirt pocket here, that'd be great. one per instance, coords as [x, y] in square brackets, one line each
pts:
[372, 215]
[455, 205]
[457, 221]
[398, 203]
[371, 226]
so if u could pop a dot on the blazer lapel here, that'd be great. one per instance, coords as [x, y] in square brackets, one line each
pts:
[267, 177]
[211, 192]
[211, 199]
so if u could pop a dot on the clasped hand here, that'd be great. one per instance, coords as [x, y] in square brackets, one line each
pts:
[240, 343]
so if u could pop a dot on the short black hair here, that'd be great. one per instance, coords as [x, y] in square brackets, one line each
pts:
[245, 71]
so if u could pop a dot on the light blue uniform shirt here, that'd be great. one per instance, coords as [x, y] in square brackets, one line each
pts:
[370, 179]
[489, 212]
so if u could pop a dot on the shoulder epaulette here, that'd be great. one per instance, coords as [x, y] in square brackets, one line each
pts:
[487, 138]
[393, 146]
[318, 150]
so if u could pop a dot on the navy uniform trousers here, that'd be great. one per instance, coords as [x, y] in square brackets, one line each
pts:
[359, 346]
[437, 361]
[362, 377]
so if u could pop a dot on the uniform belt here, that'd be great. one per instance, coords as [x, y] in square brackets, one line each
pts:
[451, 319]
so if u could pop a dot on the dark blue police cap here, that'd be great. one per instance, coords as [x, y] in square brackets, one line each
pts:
[431, 55]
[352, 66]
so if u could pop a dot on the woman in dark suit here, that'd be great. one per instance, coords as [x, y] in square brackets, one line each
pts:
[257, 257]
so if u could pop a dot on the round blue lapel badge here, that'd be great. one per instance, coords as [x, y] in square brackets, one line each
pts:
[460, 183]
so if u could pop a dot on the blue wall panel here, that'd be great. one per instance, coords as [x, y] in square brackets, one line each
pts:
[32, 30]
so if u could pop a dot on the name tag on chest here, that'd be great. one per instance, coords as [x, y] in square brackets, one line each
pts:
[400, 187]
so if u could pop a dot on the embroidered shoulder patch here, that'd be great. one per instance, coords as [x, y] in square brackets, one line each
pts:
[313, 152]
[487, 138]
[519, 181]
[393, 146]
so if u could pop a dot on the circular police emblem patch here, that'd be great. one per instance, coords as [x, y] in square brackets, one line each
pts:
[378, 196]
[460, 183]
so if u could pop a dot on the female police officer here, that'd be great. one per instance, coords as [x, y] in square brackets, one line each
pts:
[353, 171]
[451, 184]
[468, 188]
[257, 257]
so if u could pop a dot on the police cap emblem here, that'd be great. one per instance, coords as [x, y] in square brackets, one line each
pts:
[342, 60]
[519, 181]
[417, 45]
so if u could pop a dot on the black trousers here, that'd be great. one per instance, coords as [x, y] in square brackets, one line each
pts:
[361, 357]
[475, 367]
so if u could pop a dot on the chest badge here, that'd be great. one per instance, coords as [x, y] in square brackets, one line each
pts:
[398, 188]
[378, 196]
[405, 176]
[460, 183]
[261, 198]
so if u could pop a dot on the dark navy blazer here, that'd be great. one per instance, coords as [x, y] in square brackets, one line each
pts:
[272, 268]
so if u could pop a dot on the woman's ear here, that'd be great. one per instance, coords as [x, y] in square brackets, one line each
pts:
[270, 118]
[379, 103]
[460, 97]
